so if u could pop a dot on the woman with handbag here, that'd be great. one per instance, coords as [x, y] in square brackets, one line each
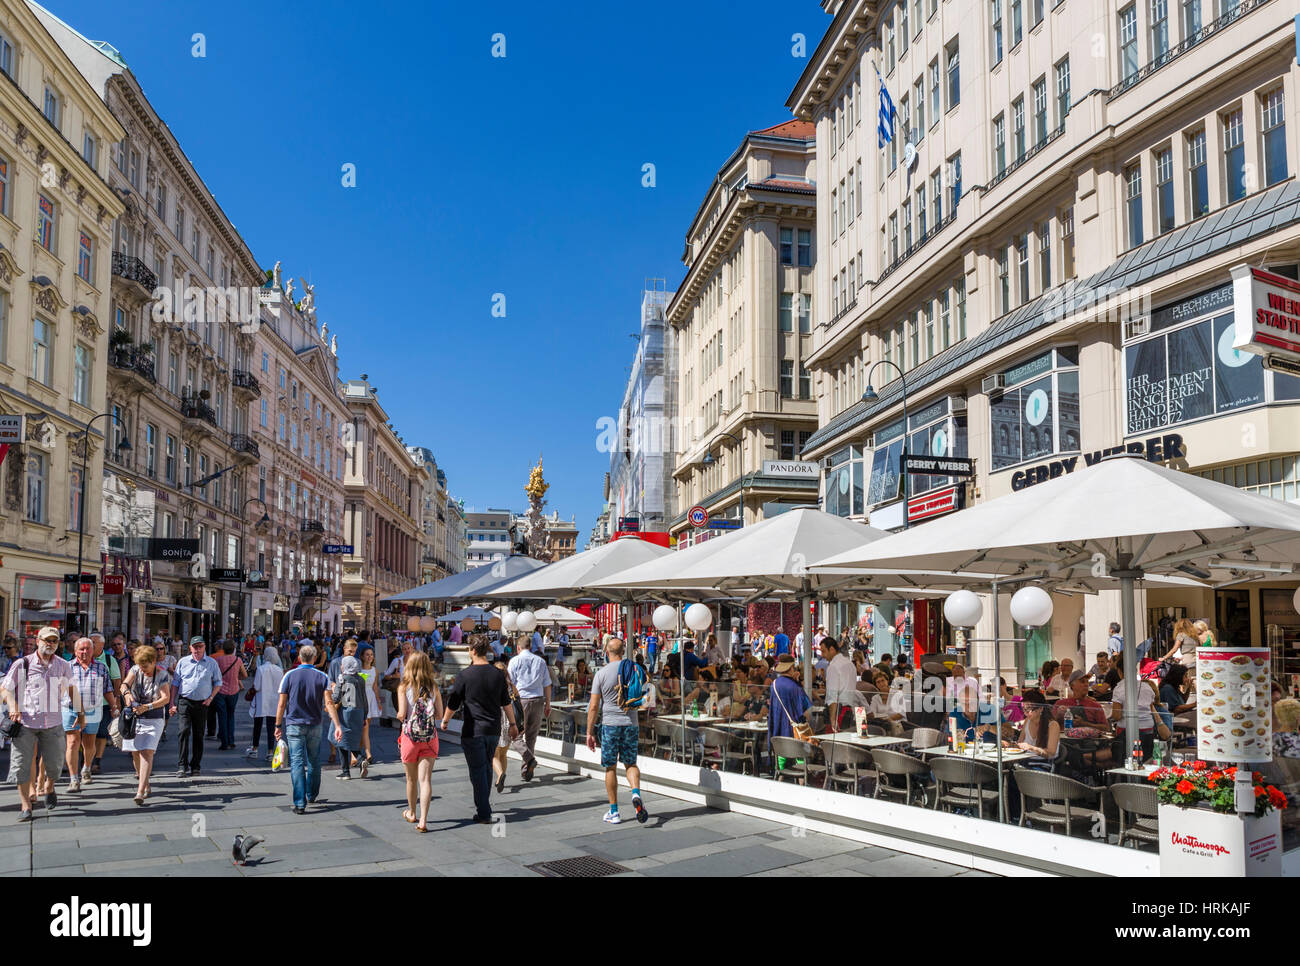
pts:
[146, 692]
[265, 696]
[370, 675]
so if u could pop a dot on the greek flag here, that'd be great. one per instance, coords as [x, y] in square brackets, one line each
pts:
[885, 125]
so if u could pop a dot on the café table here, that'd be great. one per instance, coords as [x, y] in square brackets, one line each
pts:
[751, 732]
[1114, 775]
[988, 755]
[864, 741]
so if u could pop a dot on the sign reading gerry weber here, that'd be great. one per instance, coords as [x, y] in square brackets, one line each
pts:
[1157, 449]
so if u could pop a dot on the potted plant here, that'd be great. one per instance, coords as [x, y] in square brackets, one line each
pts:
[1201, 831]
[120, 338]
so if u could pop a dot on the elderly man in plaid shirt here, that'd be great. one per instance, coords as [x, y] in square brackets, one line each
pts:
[91, 680]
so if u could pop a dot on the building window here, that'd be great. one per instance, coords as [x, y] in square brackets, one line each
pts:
[1018, 126]
[86, 257]
[805, 248]
[1133, 203]
[45, 223]
[1062, 91]
[1198, 174]
[1191, 18]
[945, 319]
[1022, 261]
[1274, 127]
[1067, 243]
[1017, 22]
[893, 238]
[169, 457]
[954, 173]
[805, 313]
[805, 389]
[954, 75]
[787, 246]
[1159, 30]
[6, 56]
[996, 19]
[42, 351]
[936, 100]
[1164, 164]
[918, 97]
[53, 108]
[1234, 155]
[1004, 282]
[81, 369]
[921, 213]
[151, 450]
[1037, 414]
[999, 145]
[959, 286]
[936, 199]
[787, 444]
[1128, 43]
[787, 379]
[1040, 110]
[36, 487]
[907, 225]
[1044, 256]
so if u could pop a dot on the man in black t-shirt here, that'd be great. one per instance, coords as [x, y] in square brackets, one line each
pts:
[482, 691]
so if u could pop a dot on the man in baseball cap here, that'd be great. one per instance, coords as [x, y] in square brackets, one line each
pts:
[32, 693]
[200, 679]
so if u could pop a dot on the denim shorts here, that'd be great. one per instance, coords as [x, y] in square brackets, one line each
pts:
[70, 722]
[618, 743]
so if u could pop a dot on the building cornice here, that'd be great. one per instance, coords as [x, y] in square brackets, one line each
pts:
[834, 55]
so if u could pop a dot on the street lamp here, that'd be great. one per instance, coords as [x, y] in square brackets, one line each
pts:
[708, 454]
[122, 447]
[243, 553]
[869, 396]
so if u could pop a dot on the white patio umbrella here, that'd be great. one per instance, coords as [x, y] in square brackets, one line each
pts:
[555, 614]
[775, 556]
[1124, 516]
[574, 578]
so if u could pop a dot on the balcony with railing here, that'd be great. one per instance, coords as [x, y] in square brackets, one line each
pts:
[1173, 53]
[245, 382]
[1024, 158]
[198, 415]
[311, 529]
[133, 270]
[134, 363]
[245, 448]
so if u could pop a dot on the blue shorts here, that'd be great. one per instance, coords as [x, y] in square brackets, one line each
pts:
[70, 722]
[618, 743]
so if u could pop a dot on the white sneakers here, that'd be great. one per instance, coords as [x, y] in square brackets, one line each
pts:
[612, 818]
[250, 752]
[75, 784]
[85, 775]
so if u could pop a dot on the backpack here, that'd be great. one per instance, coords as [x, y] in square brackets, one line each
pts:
[420, 723]
[631, 685]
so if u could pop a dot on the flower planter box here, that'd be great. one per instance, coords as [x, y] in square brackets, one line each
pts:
[1202, 842]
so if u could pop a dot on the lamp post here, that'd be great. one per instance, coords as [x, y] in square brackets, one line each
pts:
[123, 447]
[243, 553]
[869, 396]
[709, 461]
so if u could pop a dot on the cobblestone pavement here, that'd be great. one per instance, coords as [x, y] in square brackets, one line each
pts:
[186, 828]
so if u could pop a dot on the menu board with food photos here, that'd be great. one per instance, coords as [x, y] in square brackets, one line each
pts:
[1234, 718]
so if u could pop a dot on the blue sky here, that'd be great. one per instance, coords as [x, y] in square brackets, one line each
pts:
[475, 175]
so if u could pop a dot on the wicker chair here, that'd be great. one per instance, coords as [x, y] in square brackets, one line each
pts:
[800, 757]
[893, 767]
[1058, 802]
[1140, 802]
[925, 738]
[855, 761]
[963, 783]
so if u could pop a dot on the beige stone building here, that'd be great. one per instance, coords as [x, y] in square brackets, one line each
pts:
[298, 422]
[1045, 250]
[382, 517]
[434, 562]
[57, 211]
[743, 319]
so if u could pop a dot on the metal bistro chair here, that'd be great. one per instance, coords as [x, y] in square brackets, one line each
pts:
[925, 738]
[563, 725]
[663, 738]
[646, 737]
[714, 749]
[684, 748]
[1139, 801]
[962, 783]
[893, 767]
[800, 760]
[1058, 802]
[856, 763]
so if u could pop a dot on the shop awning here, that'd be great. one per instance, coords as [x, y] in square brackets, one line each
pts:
[157, 605]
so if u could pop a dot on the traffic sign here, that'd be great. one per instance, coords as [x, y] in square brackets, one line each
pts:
[343, 548]
[698, 516]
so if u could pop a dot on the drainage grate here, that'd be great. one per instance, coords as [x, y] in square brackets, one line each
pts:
[582, 867]
[216, 781]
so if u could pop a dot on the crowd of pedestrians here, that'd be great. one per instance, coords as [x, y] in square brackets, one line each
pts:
[67, 698]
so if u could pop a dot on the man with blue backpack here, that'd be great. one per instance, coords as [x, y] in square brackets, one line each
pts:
[619, 688]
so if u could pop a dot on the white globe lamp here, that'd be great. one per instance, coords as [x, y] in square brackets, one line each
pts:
[698, 617]
[1296, 600]
[508, 621]
[665, 617]
[963, 609]
[1031, 607]
[525, 621]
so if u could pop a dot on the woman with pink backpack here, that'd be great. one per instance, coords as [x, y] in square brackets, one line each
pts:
[419, 707]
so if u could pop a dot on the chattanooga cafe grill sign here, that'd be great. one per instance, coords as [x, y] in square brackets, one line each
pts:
[1266, 317]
